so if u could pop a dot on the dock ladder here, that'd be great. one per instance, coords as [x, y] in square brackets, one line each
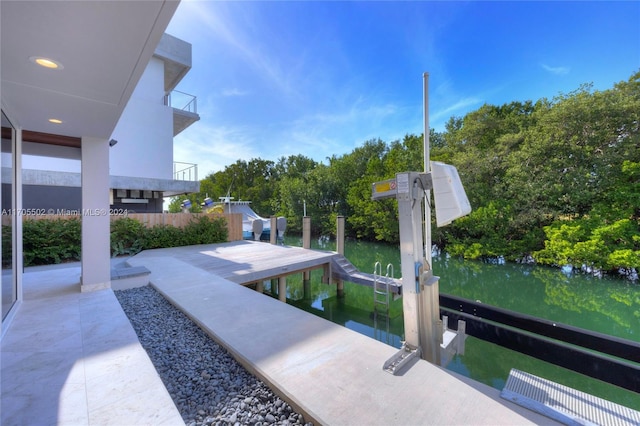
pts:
[381, 301]
[381, 293]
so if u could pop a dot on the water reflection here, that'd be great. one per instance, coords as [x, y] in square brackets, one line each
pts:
[600, 304]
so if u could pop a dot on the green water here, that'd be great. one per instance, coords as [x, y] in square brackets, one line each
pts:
[605, 305]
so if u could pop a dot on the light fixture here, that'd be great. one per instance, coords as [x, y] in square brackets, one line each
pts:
[55, 121]
[46, 62]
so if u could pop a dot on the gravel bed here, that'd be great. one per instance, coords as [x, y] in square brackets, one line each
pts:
[207, 385]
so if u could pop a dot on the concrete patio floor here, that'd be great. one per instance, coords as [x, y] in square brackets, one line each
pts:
[72, 358]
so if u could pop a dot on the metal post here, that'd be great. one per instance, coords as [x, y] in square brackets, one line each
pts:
[431, 331]
[427, 169]
[420, 290]
[410, 257]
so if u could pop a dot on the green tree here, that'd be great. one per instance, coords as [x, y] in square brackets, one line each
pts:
[557, 179]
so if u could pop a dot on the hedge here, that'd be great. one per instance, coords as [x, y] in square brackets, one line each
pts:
[59, 240]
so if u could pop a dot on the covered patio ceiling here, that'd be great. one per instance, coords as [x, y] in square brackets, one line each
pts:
[102, 48]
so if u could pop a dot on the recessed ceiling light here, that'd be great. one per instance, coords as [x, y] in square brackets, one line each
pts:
[55, 121]
[46, 62]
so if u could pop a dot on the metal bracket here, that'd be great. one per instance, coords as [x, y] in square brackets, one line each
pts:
[396, 363]
[452, 342]
[401, 187]
[419, 271]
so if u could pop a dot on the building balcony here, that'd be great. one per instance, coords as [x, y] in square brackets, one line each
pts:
[185, 110]
[185, 171]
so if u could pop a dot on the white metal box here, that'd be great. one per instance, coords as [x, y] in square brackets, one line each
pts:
[450, 198]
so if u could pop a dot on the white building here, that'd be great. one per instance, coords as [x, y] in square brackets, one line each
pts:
[142, 170]
[75, 76]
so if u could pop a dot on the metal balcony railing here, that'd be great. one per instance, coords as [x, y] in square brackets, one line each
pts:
[182, 101]
[185, 171]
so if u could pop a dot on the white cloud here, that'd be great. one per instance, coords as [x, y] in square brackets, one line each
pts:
[562, 70]
[316, 135]
[236, 32]
[462, 104]
[212, 148]
[234, 92]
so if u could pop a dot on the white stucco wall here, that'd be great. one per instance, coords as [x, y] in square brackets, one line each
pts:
[145, 130]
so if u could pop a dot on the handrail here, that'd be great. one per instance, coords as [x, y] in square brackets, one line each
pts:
[182, 101]
[185, 171]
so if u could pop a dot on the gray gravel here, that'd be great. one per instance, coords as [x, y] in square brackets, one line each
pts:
[207, 385]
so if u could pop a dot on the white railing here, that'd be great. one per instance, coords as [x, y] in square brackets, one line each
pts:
[185, 171]
[182, 101]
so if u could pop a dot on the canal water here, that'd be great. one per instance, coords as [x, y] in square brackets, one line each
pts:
[605, 305]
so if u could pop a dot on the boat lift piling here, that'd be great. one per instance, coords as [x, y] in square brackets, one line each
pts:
[425, 335]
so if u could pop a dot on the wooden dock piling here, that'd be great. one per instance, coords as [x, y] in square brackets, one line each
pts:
[340, 250]
[306, 243]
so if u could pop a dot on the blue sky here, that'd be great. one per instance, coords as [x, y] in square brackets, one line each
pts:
[275, 79]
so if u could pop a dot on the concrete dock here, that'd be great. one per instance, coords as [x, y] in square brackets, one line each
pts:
[329, 373]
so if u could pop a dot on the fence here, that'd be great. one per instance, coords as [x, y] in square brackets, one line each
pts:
[179, 220]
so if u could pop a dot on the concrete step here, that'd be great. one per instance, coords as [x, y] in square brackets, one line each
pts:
[124, 276]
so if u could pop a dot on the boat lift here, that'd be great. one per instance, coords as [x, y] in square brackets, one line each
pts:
[426, 335]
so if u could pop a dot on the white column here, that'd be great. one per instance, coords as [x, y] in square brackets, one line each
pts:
[96, 251]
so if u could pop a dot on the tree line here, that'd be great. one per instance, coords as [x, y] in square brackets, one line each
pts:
[556, 181]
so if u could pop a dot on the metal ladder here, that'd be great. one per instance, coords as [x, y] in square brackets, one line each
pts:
[381, 289]
[381, 301]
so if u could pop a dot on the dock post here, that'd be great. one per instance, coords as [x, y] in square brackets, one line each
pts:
[306, 242]
[273, 232]
[306, 232]
[340, 250]
[260, 287]
[340, 235]
[282, 289]
[306, 289]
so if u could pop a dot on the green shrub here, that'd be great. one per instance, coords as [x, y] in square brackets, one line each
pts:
[163, 236]
[205, 230]
[51, 241]
[127, 236]
[59, 240]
